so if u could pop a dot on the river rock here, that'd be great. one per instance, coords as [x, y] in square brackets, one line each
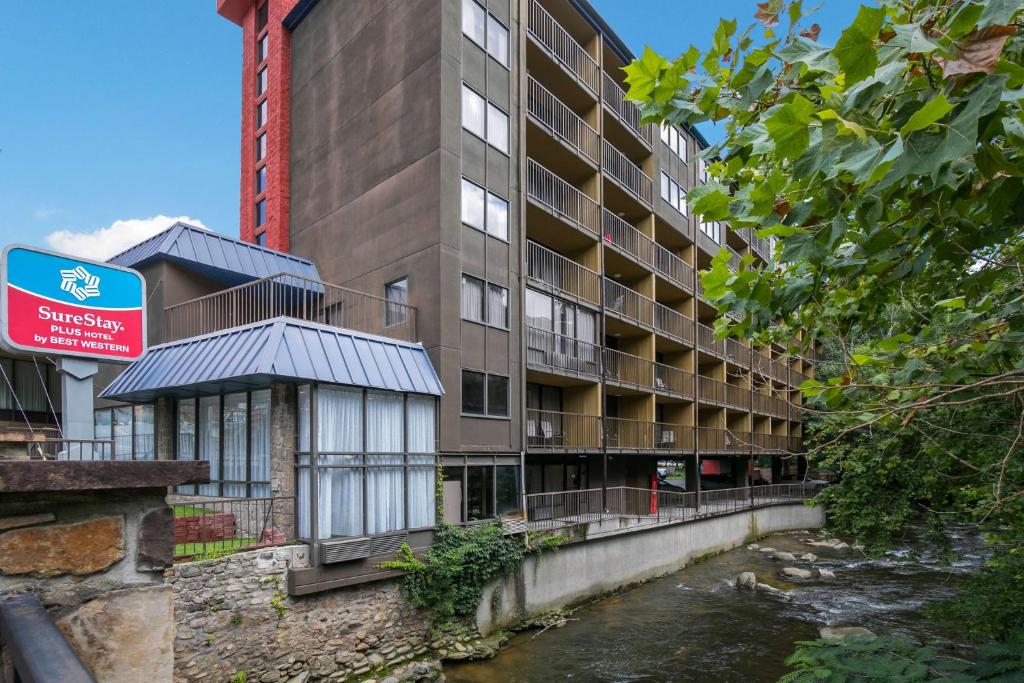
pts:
[843, 632]
[753, 546]
[859, 548]
[809, 557]
[746, 580]
[826, 574]
[767, 550]
[797, 573]
[841, 545]
[783, 556]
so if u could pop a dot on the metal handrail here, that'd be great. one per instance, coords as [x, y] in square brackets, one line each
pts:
[628, 112]
[550, 34]
[673, 267]
[38, 651]
[552, 430]
[625, 368]
[552, 350]
[628, 174]
[552, 270]
[568, 202]
[673, 323]
[672, 380]
[81, 449]
[706, 340]
[562, 121]
[627, 239]
[628, 304]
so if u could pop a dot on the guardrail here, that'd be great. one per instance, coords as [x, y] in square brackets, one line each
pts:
[627, 239]
[672, 323]
[628, 174]
[627, 112]
[628, 304]
[554, 271]
[668, 379]
[205, 526]
[291, 296]
[673, 268]
[706, 340]
[569, 203]
[550, 430]
[552, 350]
[562, 121]
[549, 33]
[627, 369]
[77, 449]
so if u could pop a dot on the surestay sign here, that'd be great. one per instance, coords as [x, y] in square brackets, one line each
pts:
[57, 304]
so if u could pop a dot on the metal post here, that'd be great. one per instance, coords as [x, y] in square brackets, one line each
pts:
[76, 400]
[314, 475]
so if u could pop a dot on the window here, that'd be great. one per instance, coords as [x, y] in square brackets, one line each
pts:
[261, 81]
[712, 229]
[474, 112]
[551, 314]
[262, 48]
[261, 114]
[484, 210]
[472, 299]
[674, 140]
[484, 394]
[261, 147]
[477, 492]
[262, 16]
[131, 428]
[261, 179]
[497, 306]
[702, 170]
[392, 464]
[486, 31]
[36, 390]
[490, 309]
[672, 193]
[497, 128]
[261, 212]
[396, 295]
[261, 239]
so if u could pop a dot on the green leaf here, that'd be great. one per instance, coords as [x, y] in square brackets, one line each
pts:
[788, 127]
[710, 200]
[955, 302]
[932, 111]
[855, 50]
[641, 74]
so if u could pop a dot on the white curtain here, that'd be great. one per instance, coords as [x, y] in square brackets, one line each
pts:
[209, 440]
[303, 421]
[235, 428]
[123, 433]
[422, 491]
[302, 477]
[384, 422]
[472, 299]
[144, 432]
[340, 417]
[422, 424]
[186, 441]
[385, 495]
[31, 389]
[497, 306]
[341, 497]
[259, 426]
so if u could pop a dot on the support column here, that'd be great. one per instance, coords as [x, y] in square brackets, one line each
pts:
[740, 469]
[163, 418]
[76, 398]
[776, 469]
[283, 420]
[693, 476]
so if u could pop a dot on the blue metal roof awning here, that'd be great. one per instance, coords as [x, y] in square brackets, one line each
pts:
[221, 258]
[276, 350]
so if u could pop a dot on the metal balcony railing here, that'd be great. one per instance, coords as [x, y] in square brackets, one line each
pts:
[673, 324]
[737, 396]
[734, 258]
[760, 245]
[711, 439]
[553, 271]
[626, 434]
[556, 351]
[673, 268]
[548, 430]
[294, 297]
[710, 390]
[627, 304]
[627, 239]
[776, 443]
[627, 174]
[561, 121]
[563, 48]
[668, 379]
[627, 369]
[737, 352]
[706, 340]
[562, 199]
[626, 111]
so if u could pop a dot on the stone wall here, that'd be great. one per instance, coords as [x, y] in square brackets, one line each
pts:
[232, 614]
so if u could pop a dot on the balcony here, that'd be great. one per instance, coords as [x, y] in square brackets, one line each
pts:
[555, 432]
[734, 258]
[294, 297]
[672, 268]
[552, 352]
[760, 245]
[737, 353]
[562, 123]
[640, 435]
[551, 271]
[772, 443]
[628, 175]
[670, 381]
[712, 440]
[766, 404]
[626, 112]
[711, 391]
[628, 371]
[706, 341]
[626, 239]
[549, 35]
[672, 324]
[561, 199]
[627, 305]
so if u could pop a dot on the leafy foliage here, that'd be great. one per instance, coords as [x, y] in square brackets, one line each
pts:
[450, 578]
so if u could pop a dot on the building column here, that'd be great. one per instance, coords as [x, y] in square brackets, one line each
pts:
[777, 469]
[283, 418]
[693, 475]
[163, 419]
[801, 467]
[740, 468]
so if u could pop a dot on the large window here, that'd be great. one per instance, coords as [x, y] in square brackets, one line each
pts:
[232, 433]
[484, 394]
[560, 334]
[712, 229]
[376, 461]
[396, 295]
[131, 428]
[672, 193]
[29, 389]
[674, 140]
[477, 492]
[261, 114]
[484, 210]
[483, 119]
[486, 31]
[261, 179]
[262, 48]
[262, 16]
[484, 302]
[261, 147]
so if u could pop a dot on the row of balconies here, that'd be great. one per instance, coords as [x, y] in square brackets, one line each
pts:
[551, 431]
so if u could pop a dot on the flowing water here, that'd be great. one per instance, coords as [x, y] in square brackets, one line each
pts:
[695, 625]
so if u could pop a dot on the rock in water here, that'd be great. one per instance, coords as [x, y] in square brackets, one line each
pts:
[753, 546]
[843, 632]
[784, 556]
[841, 545]
[797, 573]
[767, 550]
[826, 574]
[746, 580]
[809, 557]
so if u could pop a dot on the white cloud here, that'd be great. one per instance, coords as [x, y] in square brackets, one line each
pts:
[103, 243]
[44, 213]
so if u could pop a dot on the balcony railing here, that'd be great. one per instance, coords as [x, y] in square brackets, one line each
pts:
[710, 390]
[626, 369]
[561, 121]
[734, 258]
[627, 239]
[711, 439]
[553, 271]
[294, 297]
[565, 354]
[629, 175]
[706, 340]
[205, 525]
[550, 34]
[626, 111]
[624, 303]
[769, 442]
[673, 268]
[548, 430]
[673, 324]
[668, 379]
[761, 246]
[562, 199]
[737, 352]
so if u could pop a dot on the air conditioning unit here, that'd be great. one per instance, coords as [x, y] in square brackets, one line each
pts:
[348, 549]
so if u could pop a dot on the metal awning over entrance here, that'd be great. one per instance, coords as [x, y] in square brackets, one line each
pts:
[276, 350]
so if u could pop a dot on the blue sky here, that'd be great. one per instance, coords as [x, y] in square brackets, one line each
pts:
[115, 112]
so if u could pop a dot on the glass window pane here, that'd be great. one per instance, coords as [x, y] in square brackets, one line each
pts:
[473, 112]
[497, 40]
[260, 212]
[474, 19]
[261, 179]
[261, 81]
[384, 422]
[340, 418]
[472, 299]
[340, 512]
[480, 492]
[261, 114]
[452, 494]
[422, 424]
[186, 442]
[422, 491]
[122, 432]
[506, 482]
[472, 392]
[472, 204]
[538, 310]
[385, 494]
[397, 295]
[259, 429]
[497, 395]
[497, 128]
[497, 306]
[262, 47]
[262, 16]
[144, 446]
[261, 147]
[102, 423]
[303, 421]
[30, 389]
[209, 441]
[665, 193]
[236, 428]
[497, 216]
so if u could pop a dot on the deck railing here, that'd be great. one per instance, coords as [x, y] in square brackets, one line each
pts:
[549, 430]
[569, 203]
[559, 352]
[627, 111]
[222, 525]
[627, 369]
[734, 258]
[672, 323]
[706, 340]
[673, 267]
[554, 271]
[710, 390]
[294, 297]
[550, 34]
[562, 121]
[77, 449]
[628, 174]
[737, 352]
[672, 380]
[626, 303]
[626, 238]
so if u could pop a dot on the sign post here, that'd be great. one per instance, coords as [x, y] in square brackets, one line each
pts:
[79, 310]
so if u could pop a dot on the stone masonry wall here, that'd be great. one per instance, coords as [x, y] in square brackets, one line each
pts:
[233, 614]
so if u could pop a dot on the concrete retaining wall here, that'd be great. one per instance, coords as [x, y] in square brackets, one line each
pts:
[583, 570]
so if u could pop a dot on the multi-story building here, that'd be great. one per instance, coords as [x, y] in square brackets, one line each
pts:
[479, 161]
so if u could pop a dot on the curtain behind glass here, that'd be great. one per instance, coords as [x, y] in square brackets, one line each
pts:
[185, 444]
[123, 433]
[6, 397]
[384, 422]
[472, 299]
[303, 421]
[422, 491]
[422, 424]
[144, 433]
[341, 497]
[385, 494]
[259, 424]
[209, 441]
[235, 428]
[340, 417]
[31, 391]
